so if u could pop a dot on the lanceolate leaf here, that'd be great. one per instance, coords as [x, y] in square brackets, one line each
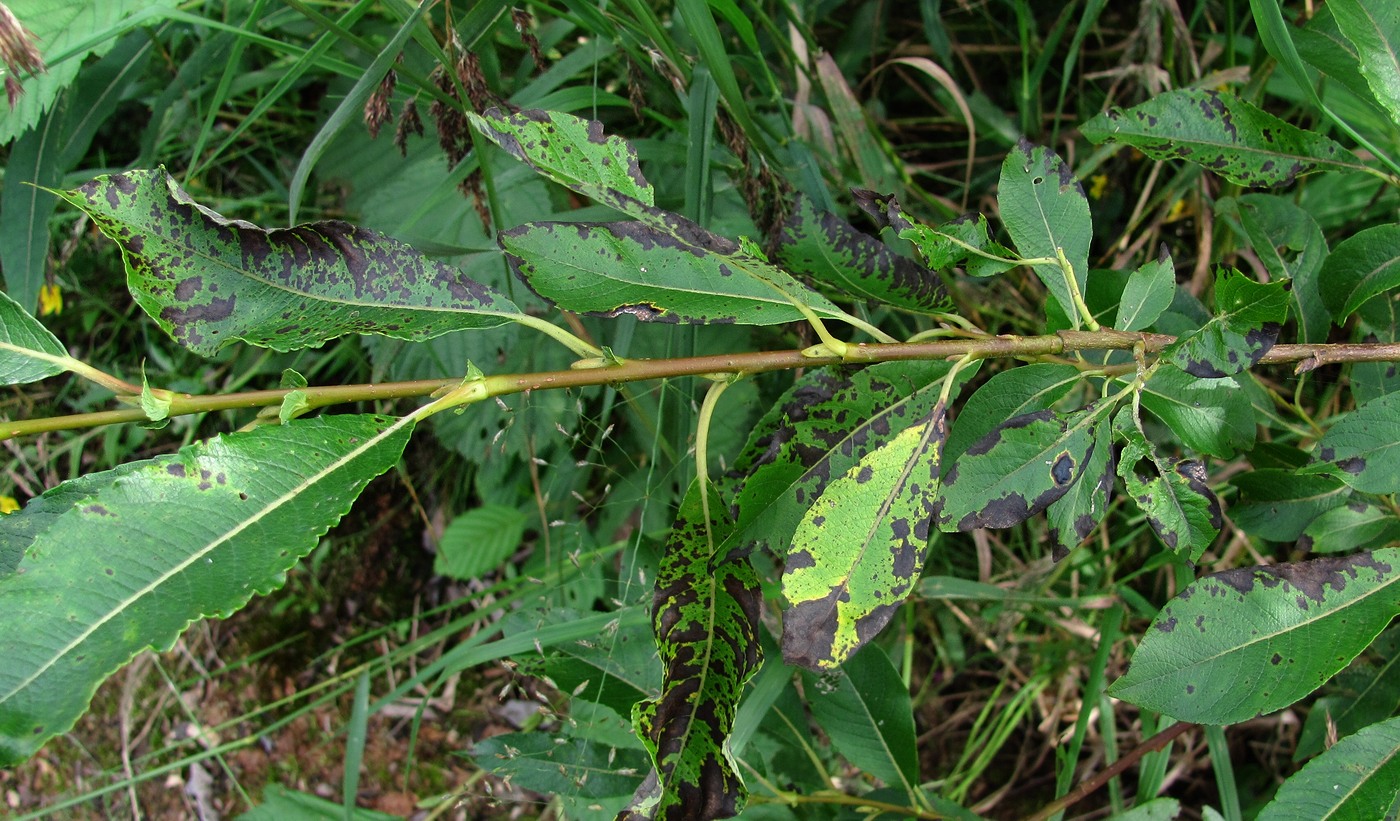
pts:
[1290, 244]
[1364, 447]
[1374, 28]
[1280, 504]
[830, 250]
[1044, 209]
[28, 352]
[1359, 696]
[18, 532]
[861, 547]
[816, 432]
[209, 281]
[705, 616]
[1363, 266]
[573, 152]
[1356, 778]
[1356, 525]
[1148, 293]
[865, 708]
[1247, 320]
[1017, 470]
[1011, 393]
[106, 579]
[1175, 497]
[1246, 642]
[665, 269]
[561, 765]
[1222, 133]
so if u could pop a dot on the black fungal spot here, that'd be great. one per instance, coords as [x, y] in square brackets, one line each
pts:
[1062, 472]
[865, 475]
[1167, 626]
[1276, 660]
[1352, 465]
[986, 443]
[176, 469]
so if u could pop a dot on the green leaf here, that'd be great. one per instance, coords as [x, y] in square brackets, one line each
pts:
[28, 351]
[705, 618]
[558, 765]
[667, 269]
[105, 579]
[816, 432]
[208, 281]
[1356, 778]
[830, 250]
[1279, 505]
[1017, 470]
[18, 532]
[1288, 241]
[573, 152]
[282, 804]
[1212, 416]
[865, 709]
[1178, 502]
[957, 242]
[1374, 29]
[1355, 526]
[1247, 320]
[861, 547]
[1360, 696]
[1074, 515]
[1148, 293]
[1363, 449]
[1222, 133]
[478, 541]
[1246, 642]
[616, 674]
[1013, 392]
[1361, 267]
[1044, 209]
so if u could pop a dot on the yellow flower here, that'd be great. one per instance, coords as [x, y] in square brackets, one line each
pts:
[50, 300]
[8, 504]
[1097, 185]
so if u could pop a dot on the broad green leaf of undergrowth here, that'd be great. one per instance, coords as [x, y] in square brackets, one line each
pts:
[1356, 778]
[865, 709]
[1361, 267]
[1374, 29]
[1174, 496]
[663, 269]
[1246, 642]
[1017, 470]
[476, 542]
[28, 351]
[1278, 505]
[1044, 209]
[1355, 526]
[830, 250]
[208, 281]
[113, 575]
[573, 152]
[563, 766]
[1363, 448]
[1248, 317]
[1358, 697]
[705, 618]
[1147, 294]
[1222, 133]
[817, 430]
[860, 548]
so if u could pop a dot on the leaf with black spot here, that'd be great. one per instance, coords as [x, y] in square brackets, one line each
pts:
[1289, 243]
[1076, 514]
[662, 268]
[1223, 134]
[1175, 497]
[209, 281]
[957, 242]
[821, 427]
[573, 152]
[861, 547]
[1248, 317]
[1017, 470]
[1011, 393]
[1363, 447]
[830, 250]
[705, 617]
[1044, 209]
[1246, 642]
[1278, 504]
